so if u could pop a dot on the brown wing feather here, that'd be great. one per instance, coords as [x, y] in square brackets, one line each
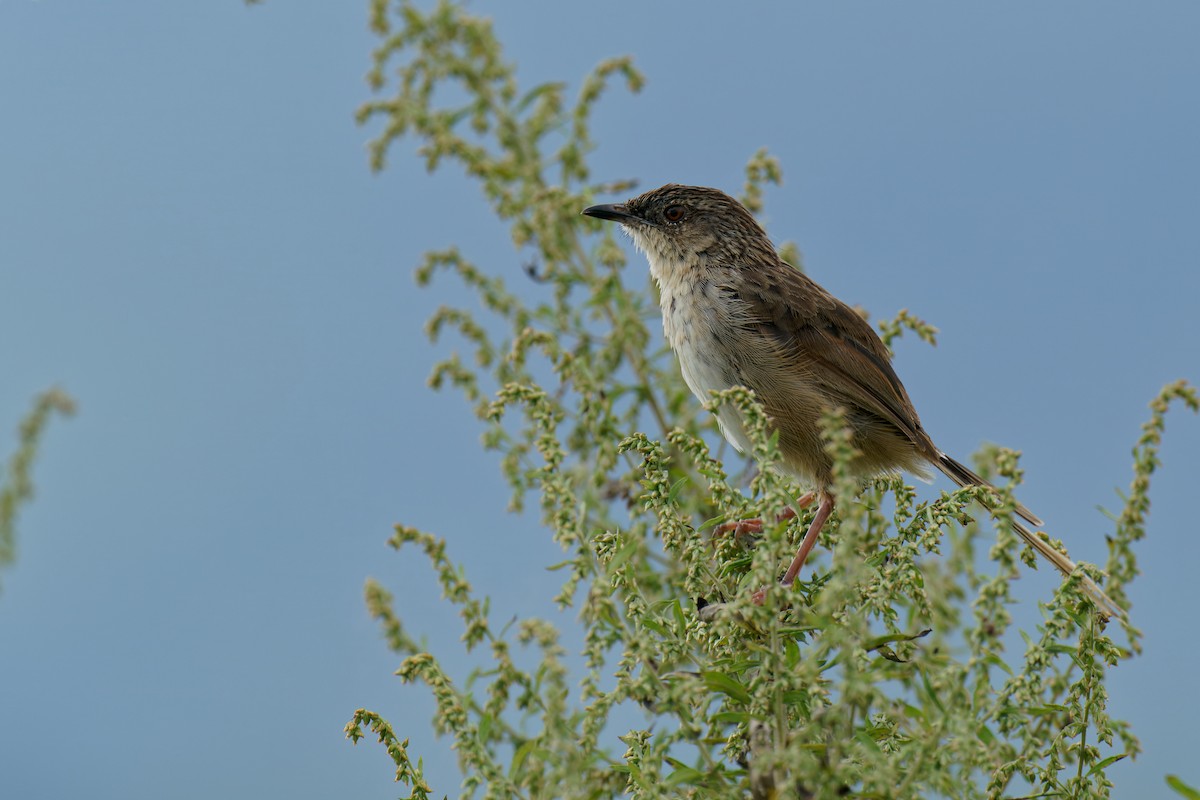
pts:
[835, 353]
[838, 358]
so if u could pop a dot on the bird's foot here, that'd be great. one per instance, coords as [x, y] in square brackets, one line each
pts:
[745, 528]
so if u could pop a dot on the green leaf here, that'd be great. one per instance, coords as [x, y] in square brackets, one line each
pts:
[677, 613]
[655, 625]
[685, 775]
[720, 682]
[1182, 788]
[624, 554]
[868, 739]
[879, 641]
[929, 691]
[913, 712]
[1047, 710]
[731, 717]
[538, 91]
[889, 654]
[1102, 765]
[996, 661]
[519, 757]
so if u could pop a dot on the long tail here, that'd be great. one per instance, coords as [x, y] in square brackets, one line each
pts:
[963, 476]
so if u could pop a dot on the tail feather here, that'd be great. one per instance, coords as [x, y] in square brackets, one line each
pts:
[965, 477]
[1105, 604]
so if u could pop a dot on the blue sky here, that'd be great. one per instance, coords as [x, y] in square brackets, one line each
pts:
[192, 244]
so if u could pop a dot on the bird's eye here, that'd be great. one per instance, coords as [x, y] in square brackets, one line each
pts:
[673, 213]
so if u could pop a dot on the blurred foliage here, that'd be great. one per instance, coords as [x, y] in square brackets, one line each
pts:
[887, 677]
[16, 482]
[1182, 789]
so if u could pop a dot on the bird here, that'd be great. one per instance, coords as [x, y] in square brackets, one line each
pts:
[736, 314]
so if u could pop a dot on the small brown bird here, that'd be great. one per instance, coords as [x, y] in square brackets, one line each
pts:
[738, 315]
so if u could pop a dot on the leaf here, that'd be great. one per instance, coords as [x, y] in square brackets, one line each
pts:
[537, 91]
[889, 654]
[685, 775]
[868, 738]
[720, 682]
[1182, 788]
[624, 554]
[1102, 765]
[654, 625]
[1047, 710]
[996, 661]
[519, 757]
[880, 641]
[932, 694]
[677, 613]
[913, 712]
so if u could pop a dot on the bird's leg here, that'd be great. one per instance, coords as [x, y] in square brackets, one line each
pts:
[810, 539]
[747, 527]
[824, 509]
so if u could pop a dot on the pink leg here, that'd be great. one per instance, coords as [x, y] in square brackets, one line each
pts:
[810, 539]
[749, 526]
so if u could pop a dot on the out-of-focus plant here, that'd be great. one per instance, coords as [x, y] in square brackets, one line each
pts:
[16, 482]
[886, 677]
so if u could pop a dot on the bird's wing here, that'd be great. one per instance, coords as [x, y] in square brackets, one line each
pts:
[840, 352]
[837, 349]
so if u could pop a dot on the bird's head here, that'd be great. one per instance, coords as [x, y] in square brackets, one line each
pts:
[676, 224]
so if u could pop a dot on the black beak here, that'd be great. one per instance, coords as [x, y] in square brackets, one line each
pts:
[613, 211]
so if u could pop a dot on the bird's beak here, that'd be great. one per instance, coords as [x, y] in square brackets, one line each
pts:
[613, 211]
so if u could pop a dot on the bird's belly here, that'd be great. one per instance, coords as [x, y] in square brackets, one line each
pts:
[716, 352]
[703, 370]
[702, 346]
